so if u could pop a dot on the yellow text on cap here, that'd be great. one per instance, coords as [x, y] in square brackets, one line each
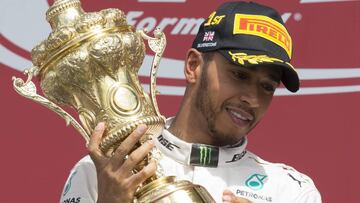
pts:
[265, 27]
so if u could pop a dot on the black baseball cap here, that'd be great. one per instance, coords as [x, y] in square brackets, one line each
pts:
[249, 34]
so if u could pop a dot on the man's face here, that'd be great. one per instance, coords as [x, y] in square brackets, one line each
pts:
[233, 99]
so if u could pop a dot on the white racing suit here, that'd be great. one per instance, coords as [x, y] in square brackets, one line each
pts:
[215, 168]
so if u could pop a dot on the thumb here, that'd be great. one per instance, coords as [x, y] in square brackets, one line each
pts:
[95, 139]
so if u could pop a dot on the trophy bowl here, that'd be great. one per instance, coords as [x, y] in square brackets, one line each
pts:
[90, 62]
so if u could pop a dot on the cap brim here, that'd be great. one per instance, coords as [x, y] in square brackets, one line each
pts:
[248, 58]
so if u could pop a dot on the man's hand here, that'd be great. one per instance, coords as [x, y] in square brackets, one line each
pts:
[229, 197]
[116, 182]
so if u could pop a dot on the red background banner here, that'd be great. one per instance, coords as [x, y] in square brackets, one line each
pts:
[316, 130]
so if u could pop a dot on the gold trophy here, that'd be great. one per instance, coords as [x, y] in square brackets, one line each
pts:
[90, 62]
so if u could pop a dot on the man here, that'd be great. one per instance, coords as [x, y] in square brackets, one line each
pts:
[238, 58]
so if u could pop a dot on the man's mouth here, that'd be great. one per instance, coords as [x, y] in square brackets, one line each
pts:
[240, 117]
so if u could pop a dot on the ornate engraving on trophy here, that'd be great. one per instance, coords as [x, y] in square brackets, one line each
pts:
[125, 101]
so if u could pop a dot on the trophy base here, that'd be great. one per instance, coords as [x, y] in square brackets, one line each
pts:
[166, 190]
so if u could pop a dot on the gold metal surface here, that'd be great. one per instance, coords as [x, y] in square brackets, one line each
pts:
[90, 62]
[167, 190]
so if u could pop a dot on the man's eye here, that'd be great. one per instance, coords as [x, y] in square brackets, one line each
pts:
[240, 75]
[269, 87]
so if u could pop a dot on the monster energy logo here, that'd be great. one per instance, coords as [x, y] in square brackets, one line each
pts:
[204, 155]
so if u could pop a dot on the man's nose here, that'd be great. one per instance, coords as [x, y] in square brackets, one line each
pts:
[249, 95]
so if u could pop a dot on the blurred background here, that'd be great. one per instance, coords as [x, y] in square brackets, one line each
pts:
[316, 130]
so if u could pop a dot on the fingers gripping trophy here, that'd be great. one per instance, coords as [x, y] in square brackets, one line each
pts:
[90, 62]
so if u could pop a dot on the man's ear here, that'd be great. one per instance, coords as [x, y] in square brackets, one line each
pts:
[193, 63]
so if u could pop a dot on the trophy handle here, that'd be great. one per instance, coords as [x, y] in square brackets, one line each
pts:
[157, 45]
[28, 89]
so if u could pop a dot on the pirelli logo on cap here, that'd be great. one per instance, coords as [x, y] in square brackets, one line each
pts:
[265, 27]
